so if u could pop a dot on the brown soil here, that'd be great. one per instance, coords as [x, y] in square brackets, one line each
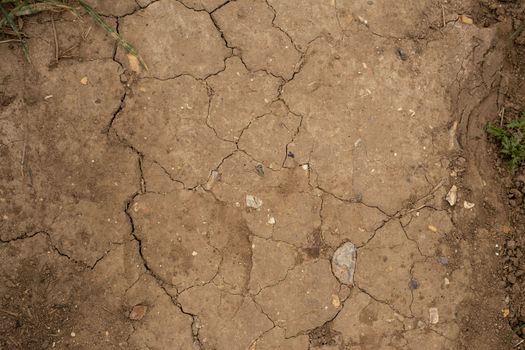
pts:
[199, 204]
[512, 184]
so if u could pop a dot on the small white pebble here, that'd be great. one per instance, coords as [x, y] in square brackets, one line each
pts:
[73, 334]
[304, 166]
[271, 220]
[362, 20]
[468, 205]
[194, 253]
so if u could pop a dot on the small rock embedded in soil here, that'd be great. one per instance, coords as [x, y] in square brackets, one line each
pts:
[253, 202]
[343, 263]
[433, 315]
[452, 195]
[259, 168]
[466, 19]
[468, 205]
[413, 284]
[443, 260]
[138, 312]
[336, 302]
[134, 63]
[402, 54]
[214, 177]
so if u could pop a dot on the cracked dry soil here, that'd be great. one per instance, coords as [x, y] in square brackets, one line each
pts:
[131, 190]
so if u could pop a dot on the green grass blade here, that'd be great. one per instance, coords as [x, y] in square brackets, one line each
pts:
[31, 9]
[9, 19]
[116, 36]
[498, 133]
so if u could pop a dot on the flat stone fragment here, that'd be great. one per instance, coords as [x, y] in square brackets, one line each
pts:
[185, 41]
[138, 312]
[433, 315]
[343, 263]
[452, 195]
[253, 202]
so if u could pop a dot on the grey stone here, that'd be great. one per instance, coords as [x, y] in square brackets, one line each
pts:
[343, 263]
[443, 260]
[413, 284]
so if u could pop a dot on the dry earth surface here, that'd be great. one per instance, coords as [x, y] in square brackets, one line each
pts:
[199, 204]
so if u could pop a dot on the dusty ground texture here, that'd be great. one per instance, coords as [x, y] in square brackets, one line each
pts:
[198, 205]
[512, 183]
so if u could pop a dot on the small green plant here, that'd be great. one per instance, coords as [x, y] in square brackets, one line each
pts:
[511, 140]
[11, 10]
